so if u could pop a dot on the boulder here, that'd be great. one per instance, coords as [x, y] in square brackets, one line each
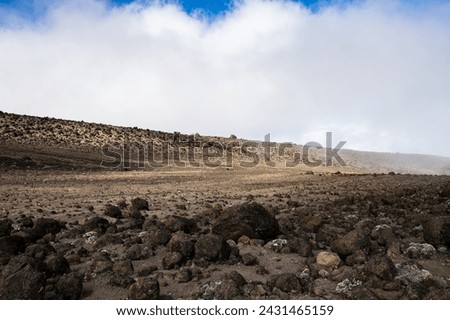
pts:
[113, 211]
[350, 242]
[5, 227]
[69, 286]
[382, 267]
[12, 244]
[22, 279]
[182, 243]
[286, 282]
[45, 226]
[249, 259]
[172, 260]
[144, 289]
[212, 247]
[435, 231]
[97, 224]
[176, 223]
[139, 204]
[249, 219]
[329, 259]
[123, 268]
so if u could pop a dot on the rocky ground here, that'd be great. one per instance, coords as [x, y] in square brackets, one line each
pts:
[223, 234]
[72, 230]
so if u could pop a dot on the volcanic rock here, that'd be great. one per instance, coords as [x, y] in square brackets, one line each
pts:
[352, 241]
[113, 211]
[249, 219]
[382, 267]
[22, 279]
[182, 243]
[139, 204]
[176, 223]
[286, 282]
[69, 286]
[5, 227]
[212, 248]
[434, 232]
[97, 224]
[144, 289]
[12, 244]
[44, 226]
[172, 260]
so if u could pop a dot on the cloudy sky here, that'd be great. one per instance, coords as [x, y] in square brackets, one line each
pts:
[375, 73]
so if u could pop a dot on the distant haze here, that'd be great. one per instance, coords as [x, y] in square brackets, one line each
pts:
[375, 73]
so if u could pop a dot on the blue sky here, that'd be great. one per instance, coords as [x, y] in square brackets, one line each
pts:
[30, 9]
[374, 72]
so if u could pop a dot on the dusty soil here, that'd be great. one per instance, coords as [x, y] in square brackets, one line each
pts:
[316, 208]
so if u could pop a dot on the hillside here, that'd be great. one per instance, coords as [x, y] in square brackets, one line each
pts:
[42, 142]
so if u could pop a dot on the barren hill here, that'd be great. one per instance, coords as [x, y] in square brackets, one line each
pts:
[42, 142]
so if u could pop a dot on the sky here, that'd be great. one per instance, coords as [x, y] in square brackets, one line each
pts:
[375, 73]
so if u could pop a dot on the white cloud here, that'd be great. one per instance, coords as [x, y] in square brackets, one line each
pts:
[376, 73]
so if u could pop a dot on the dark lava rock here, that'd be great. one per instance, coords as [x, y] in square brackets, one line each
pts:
[139, 204]
[124, 268]
[357, 257]
[433, 230]
[113, 211]
[22, 279]
[184, 276]
[98, 224]
[172, 260]
[12, 244]
[5, 227]
[144, 289]
[212, 248]
[136, 252]
[352, 241]
[328, 233]
[249, 260]
[383, 234]
[4, 258]
[100, 263]
[445, 234]
[157, 236]
[249, 219]
[136, 223]
[122, 204]
[445, 191]
[286, 282]
[44, 226]
[301, 246]
[382, 267]
[176, 223]
[56, 264]
[237, 278]
[39, 251]
[69, 286]
[182, 243]
[25, 223]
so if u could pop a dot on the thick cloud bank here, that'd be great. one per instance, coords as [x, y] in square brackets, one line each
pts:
[376, 73]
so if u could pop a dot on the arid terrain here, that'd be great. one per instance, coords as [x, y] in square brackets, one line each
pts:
[378, 228]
